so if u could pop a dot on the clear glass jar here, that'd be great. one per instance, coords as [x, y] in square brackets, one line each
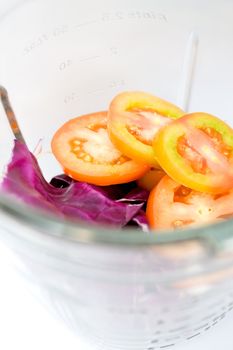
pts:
[60, 59]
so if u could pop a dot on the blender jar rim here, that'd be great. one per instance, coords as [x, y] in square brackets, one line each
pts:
[80, 232]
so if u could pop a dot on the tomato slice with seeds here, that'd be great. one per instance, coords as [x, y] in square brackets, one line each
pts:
[197, 151]
[151, 179]
[134, 120]
[171, 205]
[83, 148]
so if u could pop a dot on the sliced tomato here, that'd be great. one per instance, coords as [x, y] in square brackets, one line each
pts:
[83, 148]
[134, 120]
[171, 205]
[151, 179]
[197, 151]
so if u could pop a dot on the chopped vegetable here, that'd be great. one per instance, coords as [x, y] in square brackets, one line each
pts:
[172, 205]
[83, 148]
[140, 220]
[143, 164]
[197, 152]
[134, 119]
[112, 205]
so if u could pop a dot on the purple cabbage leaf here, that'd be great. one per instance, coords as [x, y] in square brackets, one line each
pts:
[117, 205]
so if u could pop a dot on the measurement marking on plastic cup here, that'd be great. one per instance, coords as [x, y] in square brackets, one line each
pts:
[60, 30]
[85, 23]
[71, 98]
[114, 50]
[110, 51]
[36, 43]
[90, 58]
[64, 65]
[77, 95]
[41, 39]
[133, 15]
[116, 83]
[93, 92]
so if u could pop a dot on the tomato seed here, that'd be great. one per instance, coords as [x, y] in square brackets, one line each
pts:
[77, 142]
[122, 160]
[178, 223]
[87, 158]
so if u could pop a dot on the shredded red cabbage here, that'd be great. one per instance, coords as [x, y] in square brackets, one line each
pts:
[140, 221]
[117, 205]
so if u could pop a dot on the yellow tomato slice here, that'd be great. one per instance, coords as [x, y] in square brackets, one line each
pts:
[197, 151]
[134, 119]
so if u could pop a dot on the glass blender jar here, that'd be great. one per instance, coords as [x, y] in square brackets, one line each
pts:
[115, 289]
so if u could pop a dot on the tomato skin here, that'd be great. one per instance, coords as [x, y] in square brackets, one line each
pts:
[129, 173]
[165, 147]
[150, 179]
[167, 210]
[161, 194]
[120, 113]
[101, 173]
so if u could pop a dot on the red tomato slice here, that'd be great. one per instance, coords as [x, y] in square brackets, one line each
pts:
[197, 151]
[134, 120]
[171, 205]
[83, 148]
